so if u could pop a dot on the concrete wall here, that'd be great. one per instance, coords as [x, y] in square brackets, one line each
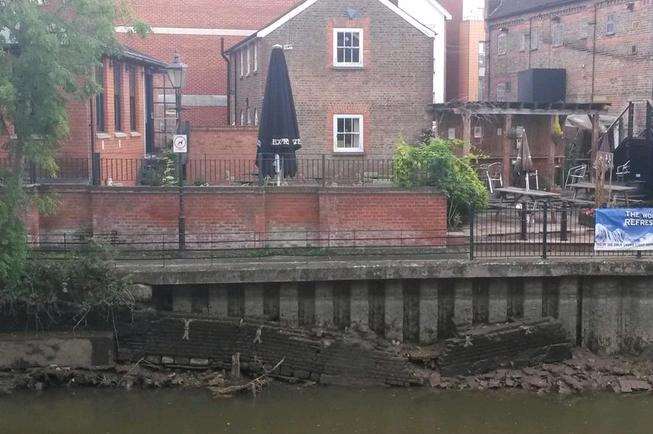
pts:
[20, 350]
[604, 313]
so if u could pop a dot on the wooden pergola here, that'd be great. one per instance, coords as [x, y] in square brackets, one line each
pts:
[487, 127]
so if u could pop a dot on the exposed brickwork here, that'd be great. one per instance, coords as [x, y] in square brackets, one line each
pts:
[304, 357]
[618, 76]
[223, 143]
[392, 90]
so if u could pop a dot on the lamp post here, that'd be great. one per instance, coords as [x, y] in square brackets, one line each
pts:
[177, 76]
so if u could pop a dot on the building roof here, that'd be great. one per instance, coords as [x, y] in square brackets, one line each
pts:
[519, 108]
[301, 7]
[508, 8]
[128, 53]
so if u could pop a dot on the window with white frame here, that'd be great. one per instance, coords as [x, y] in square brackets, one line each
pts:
[525, 41]
[256, 117]
[348, 133]
[502, 43]
[242, 118]
[249, 60]
[249, 117]
[242, 63]
[535, 39]
[610, 25]
[556, 34]
[255, 48]
[348, 47]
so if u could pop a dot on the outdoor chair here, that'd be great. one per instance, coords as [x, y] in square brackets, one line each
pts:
[575, 175]
[494, 176]
[623, 171]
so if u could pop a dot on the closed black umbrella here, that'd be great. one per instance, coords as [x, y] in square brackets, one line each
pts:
[278, 134]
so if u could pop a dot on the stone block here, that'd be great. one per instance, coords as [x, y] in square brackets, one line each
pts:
[498, 300]
[533, 290]
[324, 304]
[568, 307]
[359, 305]
[463, 312]
[394, 310]
[428, 311]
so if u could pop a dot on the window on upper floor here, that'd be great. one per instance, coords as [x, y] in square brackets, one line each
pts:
[256, 117]
[610, 25]
[242, 118]
[248, 52]
[249, 117]
[348, 133]
[117, 95]
[242, 63]
[99, 100]
[525, 42]
[501, 92]
[348, 47]
[255, 48]
[556, 34]
[502, 43]
[535, 39]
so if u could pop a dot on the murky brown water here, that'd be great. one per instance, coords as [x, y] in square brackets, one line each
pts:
[284, 410]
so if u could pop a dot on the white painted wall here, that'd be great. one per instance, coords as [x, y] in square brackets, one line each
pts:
[429, 14]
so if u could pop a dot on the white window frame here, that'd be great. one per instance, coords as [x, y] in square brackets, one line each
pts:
[242, 117]
[249, 60]
[256, 117]
[534, 39]
[502, 43]
[361, 45]
[242, 63]
[557, 32]
[361, 134]
[610, 25]
[525, 41]
[255, 57]
[249, 117]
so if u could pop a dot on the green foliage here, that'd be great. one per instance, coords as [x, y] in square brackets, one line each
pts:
[85, 279]
[434, 163]
[49, 50]
[159, 171]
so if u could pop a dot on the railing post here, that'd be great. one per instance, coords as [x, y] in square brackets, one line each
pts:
[96, 169]
[563, 224]
[631, 117]
[472, 223]
[545, 229]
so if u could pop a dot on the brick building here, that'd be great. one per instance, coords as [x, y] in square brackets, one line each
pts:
[116, 122]
[195, 29]
[362, 74]
[605, 47]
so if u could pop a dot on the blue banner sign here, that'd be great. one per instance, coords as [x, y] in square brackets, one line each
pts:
[623, 229]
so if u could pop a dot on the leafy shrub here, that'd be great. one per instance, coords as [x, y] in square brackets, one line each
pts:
[158, 171]
[85, 279]
[434, 163]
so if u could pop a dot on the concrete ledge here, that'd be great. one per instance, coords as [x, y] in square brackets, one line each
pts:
[298, 269]
[87, 350]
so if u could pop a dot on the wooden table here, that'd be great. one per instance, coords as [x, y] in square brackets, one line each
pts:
[613, 189]
[522, 192]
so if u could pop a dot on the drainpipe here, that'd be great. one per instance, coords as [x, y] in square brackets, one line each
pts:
[228, 60]
[594, 52]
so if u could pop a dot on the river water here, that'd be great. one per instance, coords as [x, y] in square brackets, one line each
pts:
[287, 410]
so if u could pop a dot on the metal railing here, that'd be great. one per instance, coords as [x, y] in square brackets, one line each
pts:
[544, 230]
[316, 171]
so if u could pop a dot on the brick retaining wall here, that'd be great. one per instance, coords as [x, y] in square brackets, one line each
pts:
[267, 213]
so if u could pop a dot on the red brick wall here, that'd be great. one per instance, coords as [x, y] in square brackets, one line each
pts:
[618, 75]
[223, 143]
[290, 213]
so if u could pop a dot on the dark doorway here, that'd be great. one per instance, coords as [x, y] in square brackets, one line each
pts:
[377, 307]
[306, 308]
[550, 298]
[481, 301]
[516, 299]
[411, 311]
[342, 305]
[271, 301]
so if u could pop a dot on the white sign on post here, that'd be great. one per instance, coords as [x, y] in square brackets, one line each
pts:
[180, 144]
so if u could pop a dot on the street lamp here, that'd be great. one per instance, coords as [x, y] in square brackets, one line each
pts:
[177, 76]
